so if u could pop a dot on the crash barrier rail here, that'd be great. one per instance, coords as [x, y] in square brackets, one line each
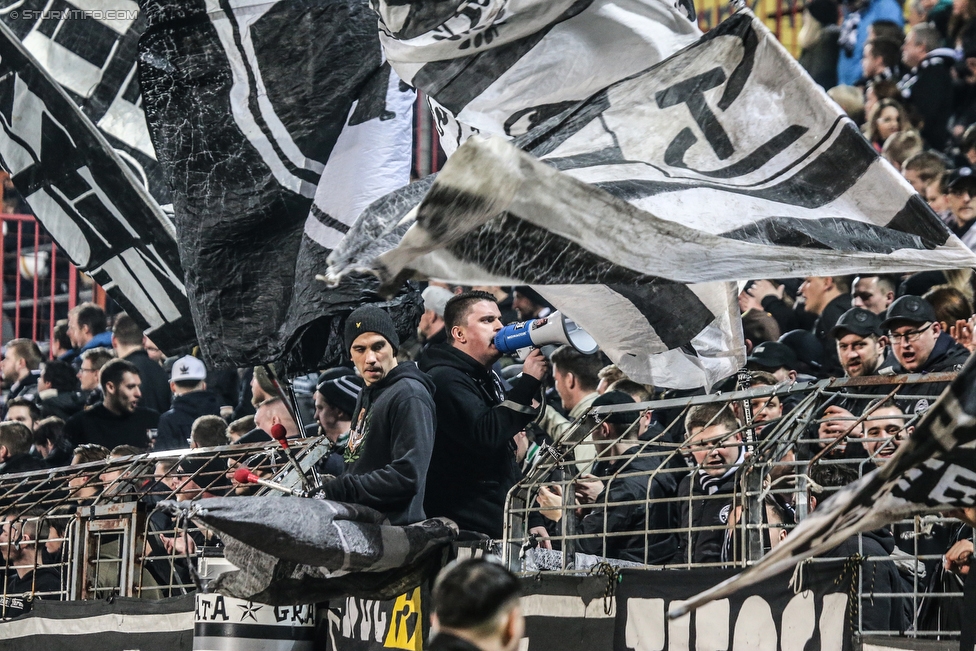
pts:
[779, 467]
[101, 530]
[39, 284]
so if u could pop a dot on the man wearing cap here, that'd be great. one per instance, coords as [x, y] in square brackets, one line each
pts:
[190, 401]
[431, 329]
[474, 465]
[960, 192]
[918, 345]
[774, 358]
[388, 453]
[335, 400]
[861, 350]
[621, 500]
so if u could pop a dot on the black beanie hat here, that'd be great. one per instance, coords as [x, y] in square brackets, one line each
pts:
[370, 319]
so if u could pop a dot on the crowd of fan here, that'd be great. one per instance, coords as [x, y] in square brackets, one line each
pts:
[442, 425]
[914, 95]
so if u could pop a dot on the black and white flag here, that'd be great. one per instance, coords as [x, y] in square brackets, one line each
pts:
[88, 199]
[276, 124]
[933, 471]
[89, 49]
[723, 159]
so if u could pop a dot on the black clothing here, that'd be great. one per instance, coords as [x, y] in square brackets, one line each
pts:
[473, 465]
[60, 456]
[16, 599]
[782, 311]
[99, 425]
[821, 329]
[175, 424]
[244, 405]
[946, 355]
[659, 547]
[447, 642]
[26, 388]
[929, 88]
[225, 383]
[820, 59]
[64, 404]
[155, 384]
[21, 463]
[699, 507]
[882, 577]
[389, 449]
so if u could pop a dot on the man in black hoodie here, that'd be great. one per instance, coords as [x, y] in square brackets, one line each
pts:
[919, 345]
[191, 400]
[473, 465]
[392, 435]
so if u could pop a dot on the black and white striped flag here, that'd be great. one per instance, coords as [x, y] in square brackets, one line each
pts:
[88, 199]
[720, 163]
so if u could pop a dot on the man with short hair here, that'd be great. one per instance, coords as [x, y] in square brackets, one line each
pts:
[856, 30]
[191, 400]
[87, 325]
[127, 340]
[21, 538]
[15, 444]
[21, 410]
[21, 368]
[473, 464]
[57, 390]
[827, 297]
[873, 293]
[50, 444]
[928, 85]
[208, 432]
[918, 345]
[885, 430]
[388, 454]
[880, 59]
[271, 412]
[576, 377]
[476, 608]
[713, 441]
[118, 419]
[89, 370]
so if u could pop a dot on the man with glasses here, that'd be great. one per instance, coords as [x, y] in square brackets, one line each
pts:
[918, 345]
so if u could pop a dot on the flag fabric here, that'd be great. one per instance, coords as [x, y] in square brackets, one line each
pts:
[88, 199]
[933, 471]
[90, 50]
[276, 123]
[723, 160]
[295, 551]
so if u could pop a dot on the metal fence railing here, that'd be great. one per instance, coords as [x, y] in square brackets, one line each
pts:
[645, 492]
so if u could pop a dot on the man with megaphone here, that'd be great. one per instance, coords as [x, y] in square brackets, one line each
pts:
[473, 464]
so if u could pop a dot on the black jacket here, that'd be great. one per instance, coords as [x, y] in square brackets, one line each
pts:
[155, 385]
[175, 424]
[18, 592]
[386, 470]
[64, 405]
[881, 577]
[100, 426]
[660, 547]
[26, 388]
[448, 642]
[929, 88]
[473, 465]
[946, 355]
[821, 329]
[21, 463]
[700, 507]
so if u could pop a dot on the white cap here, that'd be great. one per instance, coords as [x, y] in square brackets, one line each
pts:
[188, 368]
[436, 298]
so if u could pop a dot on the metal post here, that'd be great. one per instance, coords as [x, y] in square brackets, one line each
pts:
[751, 481]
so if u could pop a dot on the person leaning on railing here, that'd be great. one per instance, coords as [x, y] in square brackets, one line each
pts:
[23, 580]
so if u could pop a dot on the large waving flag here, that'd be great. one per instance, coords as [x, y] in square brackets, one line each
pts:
[276, 124]
[638, 200]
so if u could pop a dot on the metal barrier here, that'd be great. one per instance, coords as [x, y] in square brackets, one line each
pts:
[40, 284]
[727, 494]
[101, 530]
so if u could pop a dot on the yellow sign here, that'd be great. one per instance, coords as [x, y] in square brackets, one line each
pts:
[406, 623]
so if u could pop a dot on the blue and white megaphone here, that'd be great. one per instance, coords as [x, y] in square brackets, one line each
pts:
[519, 339]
